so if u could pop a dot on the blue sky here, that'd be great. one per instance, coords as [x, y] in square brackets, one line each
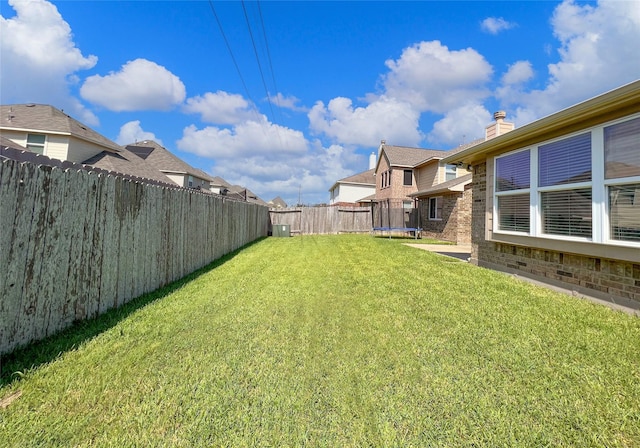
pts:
[340, 76]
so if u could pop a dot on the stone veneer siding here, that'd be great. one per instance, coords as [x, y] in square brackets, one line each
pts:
[612, 280]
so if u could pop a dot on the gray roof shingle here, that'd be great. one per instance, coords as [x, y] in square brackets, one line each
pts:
[127, 162]
[162, 159]
[47, 119]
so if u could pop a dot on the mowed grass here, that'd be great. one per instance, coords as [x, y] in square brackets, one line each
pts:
[337, 341]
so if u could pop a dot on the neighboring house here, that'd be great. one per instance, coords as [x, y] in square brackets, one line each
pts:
[352, 189]
[277, 202]
[48, 131]
[430, 194]
[444, 190]
[180, 172]
[238, 192]
[126, 162]
[558, 200]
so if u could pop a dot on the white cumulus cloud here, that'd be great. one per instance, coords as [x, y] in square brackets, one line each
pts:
[433, 78]
[461, 125]
[242, 140]
[132, 132]
[596, 55]
[139, 85]
[495, 25]
[518, 73]
[39, 58]
[221, 108]
[287, 102]
[383, 119]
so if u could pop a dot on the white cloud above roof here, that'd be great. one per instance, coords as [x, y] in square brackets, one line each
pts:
[384, 118]
[461, 125]
[244, 139]
[139, 85]
[133, 132]
[495, 25]
[518, 72]
[39, 58]
[435, 79]
[221, 108]
[592, 57]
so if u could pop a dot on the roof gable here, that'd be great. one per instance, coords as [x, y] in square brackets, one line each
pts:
[47, 119]
[165, 161]
[407, 157]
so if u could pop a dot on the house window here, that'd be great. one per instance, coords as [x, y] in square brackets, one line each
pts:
[512, 186]
[583, 187]
[563, 169]
[450, 172]
[385, 180]
[36, 142]
[622, 176]
[435, 208]
[190, 181]
[408, 178]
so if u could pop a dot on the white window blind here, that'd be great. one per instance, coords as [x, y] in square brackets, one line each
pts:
[566, 161]
[622, 149]
[513, 213]
[512, 171]
[567, 212]
[624, 212]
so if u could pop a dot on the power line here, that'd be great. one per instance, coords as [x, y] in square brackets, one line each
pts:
[273, 76]
[264, 84]
[235, 63]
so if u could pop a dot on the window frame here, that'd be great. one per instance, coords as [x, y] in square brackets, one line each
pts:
[598, 185]
[516, 192]
[438, 201]
[404, 178]
[30, 145]
[448, 170]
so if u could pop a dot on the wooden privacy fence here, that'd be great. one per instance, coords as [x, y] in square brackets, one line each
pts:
[74, 244]
[323, 220]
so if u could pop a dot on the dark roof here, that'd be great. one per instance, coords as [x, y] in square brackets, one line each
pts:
[165, 161]
[24, 156]
[49, 120]
[127, 162]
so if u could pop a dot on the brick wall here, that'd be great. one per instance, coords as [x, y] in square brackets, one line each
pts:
[608, 279]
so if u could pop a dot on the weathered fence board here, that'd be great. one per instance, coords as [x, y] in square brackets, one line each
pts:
[323, 220]
[74, 243]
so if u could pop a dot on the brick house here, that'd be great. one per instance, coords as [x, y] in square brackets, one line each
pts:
[436, 196]
[558, 200]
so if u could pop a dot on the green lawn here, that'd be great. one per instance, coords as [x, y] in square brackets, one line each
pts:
[336, 341]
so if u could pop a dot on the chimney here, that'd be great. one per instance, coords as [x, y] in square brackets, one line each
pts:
[372, 161]
[499, 127]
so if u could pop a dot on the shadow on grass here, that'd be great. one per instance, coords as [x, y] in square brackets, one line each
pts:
[50, 348]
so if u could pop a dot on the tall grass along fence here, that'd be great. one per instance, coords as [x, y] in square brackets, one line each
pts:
[76, 243]
[323, 220]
